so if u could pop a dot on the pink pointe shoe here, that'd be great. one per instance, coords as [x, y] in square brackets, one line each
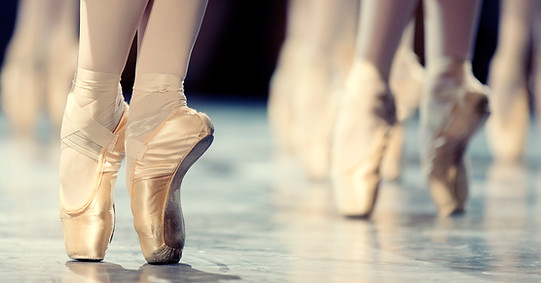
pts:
[156, 167]
[88, 225]
[365, 116]
[453, 108]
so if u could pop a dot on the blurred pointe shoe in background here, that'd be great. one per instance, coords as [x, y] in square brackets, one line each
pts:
[507, 127]
[314, 110]
[39, 64]
[281, 90]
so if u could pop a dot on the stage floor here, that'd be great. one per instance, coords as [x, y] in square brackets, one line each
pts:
[252, 216]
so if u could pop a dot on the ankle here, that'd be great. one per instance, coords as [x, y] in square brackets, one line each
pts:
[447, 74]
[100, 95]
[154, 97]
[155, 93]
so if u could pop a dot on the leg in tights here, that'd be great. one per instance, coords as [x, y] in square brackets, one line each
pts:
[366, 110]
[105, 39]
[313, 100]
[454, 104]
[450, 27]
[290, 62]
[380, 30]
[508, 125]
[164, 137]
[97, 132]
[93, 126]
[166, 37]
[406, 82]
[24, 82]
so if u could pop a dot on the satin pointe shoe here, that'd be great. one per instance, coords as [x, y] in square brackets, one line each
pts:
[454, 106]
[156, 167]
[391, 165]
[507, 127]
[88, 224]
[406, 82]
[365, 115]
[314, 110]
[281, 88]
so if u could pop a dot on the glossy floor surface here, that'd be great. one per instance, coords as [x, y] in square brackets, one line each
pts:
[252, 217]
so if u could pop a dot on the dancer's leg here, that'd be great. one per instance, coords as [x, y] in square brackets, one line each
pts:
[290, 62]
[164, 137]
[106, 32]
[61, 60]
[343, 50]
[22, 79]
[366, 111]
[450, 27]
[406, 81]
[93, 126]
[380, 31]
[454, 103]
[167, 35]
[508, 125]
[313, 101]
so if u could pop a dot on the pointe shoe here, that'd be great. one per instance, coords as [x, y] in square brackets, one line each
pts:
[314, 110]
[406, 82]
[454, 106]
[88, 225]
[281, 89]
[365, 116]
[156, 167]
[507, 127]
[391, 165]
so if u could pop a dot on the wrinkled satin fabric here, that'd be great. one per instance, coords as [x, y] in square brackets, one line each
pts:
[454, 106]
[88, 226]
[155, 169]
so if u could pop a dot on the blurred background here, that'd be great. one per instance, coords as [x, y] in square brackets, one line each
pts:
[240, 40]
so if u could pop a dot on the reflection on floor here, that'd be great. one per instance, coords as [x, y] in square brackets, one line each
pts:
[252, 217]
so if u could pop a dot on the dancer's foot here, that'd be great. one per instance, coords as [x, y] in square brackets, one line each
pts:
[507, 128]
[453, 107]
[365, 116]
[89, 163]
[161, 146]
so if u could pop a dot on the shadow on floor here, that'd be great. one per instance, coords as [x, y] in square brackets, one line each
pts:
[110, 272]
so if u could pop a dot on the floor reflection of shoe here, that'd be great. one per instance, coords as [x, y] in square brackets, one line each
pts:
[365, 116]
[88, 219]
[454, 106]
[507, 127]
[156, 167]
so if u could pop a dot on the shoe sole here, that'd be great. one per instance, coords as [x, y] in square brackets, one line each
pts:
[173, 220]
